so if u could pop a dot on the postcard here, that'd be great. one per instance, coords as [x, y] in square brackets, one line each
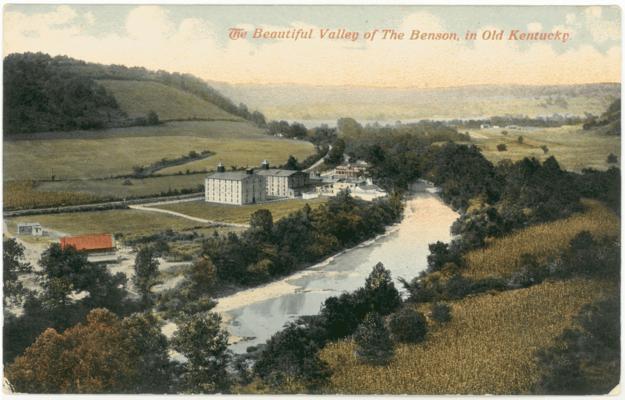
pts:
[311, 199]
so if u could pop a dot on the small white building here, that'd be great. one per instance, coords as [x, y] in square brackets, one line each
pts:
[30, 228]
[234, 187]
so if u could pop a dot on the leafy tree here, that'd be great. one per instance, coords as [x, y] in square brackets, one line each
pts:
[441, 312]
[148, 352]
[612, 159]
[502, 147]
[544, 148]
[408, 325]
[67, 271]
[291, 355]
[348, 127]
[519, 139]
[335, 155]
[204, 343]
[381, 292]
[261, 223]
[152, 118]
[87, 358]
[202, 276]
[586, 359]
[13, 267]
[146, 271]
[440, 255]
[291, 164]
[373, 342]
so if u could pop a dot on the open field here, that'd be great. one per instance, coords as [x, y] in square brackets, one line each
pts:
[573, 147]
[114, 152]
[239, 214]
[129, 223]
[116, 188]
[487, 348]
[500, 257]
[137, 98]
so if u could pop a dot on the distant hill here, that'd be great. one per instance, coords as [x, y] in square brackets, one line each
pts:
[609, 122]
[302, 102]
[44, 93]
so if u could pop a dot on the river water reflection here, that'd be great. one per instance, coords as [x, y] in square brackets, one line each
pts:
[253, 315]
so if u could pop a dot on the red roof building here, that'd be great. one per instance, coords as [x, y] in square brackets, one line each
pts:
[89, 243]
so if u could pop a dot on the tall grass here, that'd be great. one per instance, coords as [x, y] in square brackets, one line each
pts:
[487, 348]
[501, 256]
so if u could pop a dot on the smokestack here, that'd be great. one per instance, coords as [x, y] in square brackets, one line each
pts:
[221, 168]
[264, 164]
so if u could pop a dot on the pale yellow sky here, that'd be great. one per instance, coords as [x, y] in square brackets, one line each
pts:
[195, 41]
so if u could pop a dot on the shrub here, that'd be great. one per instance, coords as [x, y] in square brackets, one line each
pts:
[502, 147]
[612, 158]
[373, 342]
[441, 312]
[408, 325]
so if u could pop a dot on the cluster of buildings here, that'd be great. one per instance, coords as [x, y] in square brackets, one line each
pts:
[266, 184]
[99, 247]
[253, 185]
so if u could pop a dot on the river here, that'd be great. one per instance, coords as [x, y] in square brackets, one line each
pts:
[252, 316]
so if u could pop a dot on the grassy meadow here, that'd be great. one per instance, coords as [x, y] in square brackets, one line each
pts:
[501, 255]
[574, 148]
[137, 98]
[487, 347]
[129, 223]
[116, 187]
[116, 151]
[84, 163]
[239, 214]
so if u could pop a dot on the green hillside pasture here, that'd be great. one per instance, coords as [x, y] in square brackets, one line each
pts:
[137, 98]
[239, 214]
[574, 148]
[83, 155]
[129, 223]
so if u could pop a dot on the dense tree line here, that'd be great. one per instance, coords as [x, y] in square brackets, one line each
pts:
[41, 95]
[609, 122]
[552, 121]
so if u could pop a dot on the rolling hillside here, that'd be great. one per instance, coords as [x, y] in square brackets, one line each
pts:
[137, 98]
[51, 94]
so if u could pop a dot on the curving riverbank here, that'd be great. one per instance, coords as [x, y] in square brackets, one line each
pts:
[253, 315]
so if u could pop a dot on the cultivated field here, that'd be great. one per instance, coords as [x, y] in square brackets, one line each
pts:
[501, 256]
[573, 147]
[487, 348]
[137, 98]
[116, 151]
[239, 214]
